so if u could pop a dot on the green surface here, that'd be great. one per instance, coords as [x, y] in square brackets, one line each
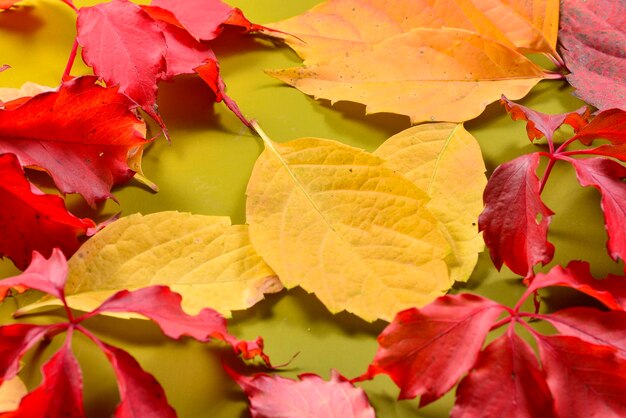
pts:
[205, 170]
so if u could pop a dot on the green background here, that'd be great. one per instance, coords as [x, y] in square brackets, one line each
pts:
[205, 170]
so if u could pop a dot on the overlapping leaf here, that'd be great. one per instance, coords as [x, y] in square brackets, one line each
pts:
[439, 61]
[204, 258]
[11, 392]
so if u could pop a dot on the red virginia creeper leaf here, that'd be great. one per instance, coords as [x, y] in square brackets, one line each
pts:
[607, 176]
[31, 220]
[425, 351]
[506, 382]
[541, 124]
[611, 291]
[15, 341]
[125, 47]
[161, 305]
[609, 125]
[310, 397]
[48, 276]
[61, 391]
[81, 135]
[586, 380]
[593, 36]
[515, 220]
[141, 396]
[592, 325]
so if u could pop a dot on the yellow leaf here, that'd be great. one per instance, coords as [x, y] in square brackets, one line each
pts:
[204, 258]
[445, 160]
[428, 74]
[338, 222]
[11, 393]
[28, 89]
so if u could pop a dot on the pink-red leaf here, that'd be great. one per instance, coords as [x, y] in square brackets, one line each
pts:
[609, 125]
[61, 391]
[125, 47]
[593, 36]
[31, 220]
[162, 306]
[506, 382]
[141, 396]
[47, 276]
[611, 291]
[515, 221]
[586, 380]
[425, 351]
[310, 397]
[540, 124]
[81, 135]
[607, 176]
[15, 341]
[592, 325]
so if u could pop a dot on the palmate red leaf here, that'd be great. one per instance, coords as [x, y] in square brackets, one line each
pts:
[515, 220]
[161, 305]
[31, 220]
[506, 382]
[426, 351]
[48, 276]
[611, 291]
[15, 341]
[61, 391]
[607, 176]
[540, 124]
[81, 135]
[310, 397]
[586, 380]
[592, 325]
[593, 36]
[609, 125]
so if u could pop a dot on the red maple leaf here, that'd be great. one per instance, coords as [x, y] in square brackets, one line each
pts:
[31, 220]
[309, 397]
[82, 135]
[60, 392]
[593, 38]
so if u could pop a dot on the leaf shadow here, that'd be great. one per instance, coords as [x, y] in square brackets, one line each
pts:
[20, 19]
[232, 41]
[187, 102]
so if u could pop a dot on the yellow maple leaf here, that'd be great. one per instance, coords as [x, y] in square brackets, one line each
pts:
[445, 160]
[11, 393]
[204, 258]
[338, 222]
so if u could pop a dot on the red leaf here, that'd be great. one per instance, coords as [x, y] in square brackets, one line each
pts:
[611, 291]
[203, 19]
[607, 176]
[425, 351]
[515, 220]
[541, 124]
[125, 47]
[15, 341]
[61, 391]
[33, 221]
[82, 135]
[506, 382]
[47, 276]
[593, 35]
[209, 72]
[141, 396]
[609, 125]
[592, 325]
[586, 380]
[162, 306]
[6, 4]
[310, 397]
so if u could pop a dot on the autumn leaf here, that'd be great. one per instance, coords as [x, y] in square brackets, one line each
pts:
[19, 96]
[515, 220]
[593, 38]
[609, 125]
[11, 392]
[204, 258]
[433, 62]
[7, 4]
[338, 222]
[445, 161]
[308, 397]
[82, 135]
[31, 220]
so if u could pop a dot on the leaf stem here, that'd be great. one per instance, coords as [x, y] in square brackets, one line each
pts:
[501, 322]
[70, 61]
[546, 174]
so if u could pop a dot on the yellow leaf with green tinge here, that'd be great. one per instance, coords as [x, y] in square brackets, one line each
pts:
[444, 160]
[204, 258]
[338, 222]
